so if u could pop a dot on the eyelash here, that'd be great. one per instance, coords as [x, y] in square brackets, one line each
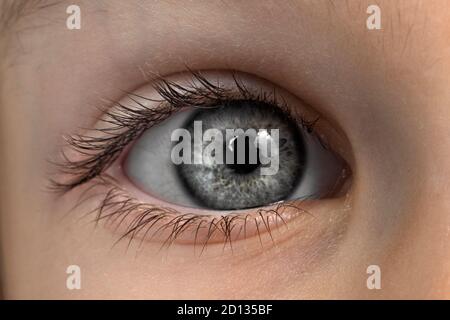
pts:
[116, 205]
[125, 124]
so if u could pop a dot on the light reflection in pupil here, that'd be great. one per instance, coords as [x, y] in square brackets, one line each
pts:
[248, 165]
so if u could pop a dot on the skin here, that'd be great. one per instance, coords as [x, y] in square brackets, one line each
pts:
[386, 90]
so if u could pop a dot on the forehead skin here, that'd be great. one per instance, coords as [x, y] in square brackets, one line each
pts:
[414, 33]
[387, 88]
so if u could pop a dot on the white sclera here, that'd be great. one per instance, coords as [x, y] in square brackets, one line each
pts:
[323, 169]
[150, 167]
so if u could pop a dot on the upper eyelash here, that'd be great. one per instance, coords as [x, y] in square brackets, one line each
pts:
[126, 124]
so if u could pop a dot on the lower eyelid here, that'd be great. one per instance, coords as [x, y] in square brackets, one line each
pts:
[150, 221]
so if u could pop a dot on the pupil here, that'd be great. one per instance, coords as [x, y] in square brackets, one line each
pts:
[236, 183]
[246, 167]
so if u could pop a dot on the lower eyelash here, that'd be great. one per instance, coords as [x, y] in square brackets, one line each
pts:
[147, 221]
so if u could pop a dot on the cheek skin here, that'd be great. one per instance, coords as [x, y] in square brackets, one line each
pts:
[250, 270]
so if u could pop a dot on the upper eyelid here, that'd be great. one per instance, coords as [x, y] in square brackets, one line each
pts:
[101, 146]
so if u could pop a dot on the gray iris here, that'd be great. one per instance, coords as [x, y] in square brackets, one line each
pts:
[239, 186]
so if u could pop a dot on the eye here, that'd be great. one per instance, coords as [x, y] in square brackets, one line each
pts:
[231, 171]
[207, 157]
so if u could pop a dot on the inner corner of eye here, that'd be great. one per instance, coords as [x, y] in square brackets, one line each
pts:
[236, 154]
